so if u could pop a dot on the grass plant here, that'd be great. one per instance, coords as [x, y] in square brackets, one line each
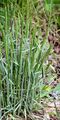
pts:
[22, 59]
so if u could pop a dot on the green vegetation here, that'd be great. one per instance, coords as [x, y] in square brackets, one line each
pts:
[23, 57]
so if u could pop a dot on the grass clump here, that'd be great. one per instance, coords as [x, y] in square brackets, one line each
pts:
[22, 60]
